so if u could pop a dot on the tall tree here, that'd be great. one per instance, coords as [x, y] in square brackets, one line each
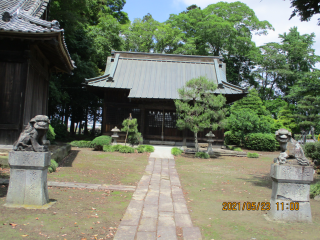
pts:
[198, 108]
[305, 9]
[222, 29]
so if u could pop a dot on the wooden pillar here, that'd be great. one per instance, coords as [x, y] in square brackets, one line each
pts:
[142, 127]
[104, 114]
[162, 132]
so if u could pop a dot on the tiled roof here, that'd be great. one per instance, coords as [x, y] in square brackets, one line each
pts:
[160, 78]
[23, 17]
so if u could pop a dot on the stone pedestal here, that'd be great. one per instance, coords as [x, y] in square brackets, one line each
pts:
[290, 193]
[28, 179]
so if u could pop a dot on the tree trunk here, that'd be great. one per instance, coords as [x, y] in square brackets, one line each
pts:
[72, 127]
[86, 123]
[93, 131]
[76, 127]
[196, 141]
[80, 126]
[66, 117]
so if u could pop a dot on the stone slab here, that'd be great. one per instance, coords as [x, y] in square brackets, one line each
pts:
[288, 173]
[183, 220]
[290, 191]
[150, 211]
[148, 225]
[28, 178]
[191, 233]
[287, 215]
[166, 221]
[146, 236]
[166, 233]
[125, 233]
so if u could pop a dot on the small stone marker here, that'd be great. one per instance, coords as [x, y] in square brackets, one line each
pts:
[210, 135]
[29, 164]
[291, 180]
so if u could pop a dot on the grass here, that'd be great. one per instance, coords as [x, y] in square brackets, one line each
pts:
[87, 166]
[77, 214]
[207, 183]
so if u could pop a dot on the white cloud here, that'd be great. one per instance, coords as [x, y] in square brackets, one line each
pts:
[277, 13]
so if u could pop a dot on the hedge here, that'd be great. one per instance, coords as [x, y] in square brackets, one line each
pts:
[261, 142]
[202, 155]
[176, 151]
[81, 144]
[231, 139]
[99, 142]
[312, 150]
[252, 155]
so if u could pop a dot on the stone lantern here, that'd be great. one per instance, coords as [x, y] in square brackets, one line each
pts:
[210, 135]
[115, 134]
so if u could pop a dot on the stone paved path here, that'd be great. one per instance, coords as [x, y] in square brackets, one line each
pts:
[158, 208]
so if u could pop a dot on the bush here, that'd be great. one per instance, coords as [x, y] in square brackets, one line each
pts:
[237, 149]
[202, 155]
[99, 142]
[176, 151]
[108, 148]
[50, 134]
[53, 166]
[315, 190]
[261, 142]
[140, 149]
[148, 148]
[60, 129]
[312, 150]
[126, 149]
[131, 126]
[231, 139]
[116, 147]
[252, 155]
[81, 144]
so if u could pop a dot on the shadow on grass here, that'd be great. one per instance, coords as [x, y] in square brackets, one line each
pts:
[259, 181]
[68, 160]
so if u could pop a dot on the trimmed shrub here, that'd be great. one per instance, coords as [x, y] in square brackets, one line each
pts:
[261, 142]
[116, 147]
[53, 166]
[237, 149]
[252, 155]
[315, 190]
[126, 149]
[99, 142]
[202, 155]
[140, 149]
[176, 151]
[108, 148]
[148, 148]
[312, 150]
[231, 139]
[60, 129]
[131, 126]
[81, 144]
[50, 134]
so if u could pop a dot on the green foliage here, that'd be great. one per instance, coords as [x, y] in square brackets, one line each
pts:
[53, 166]
[108, 148]
[202, 155]
[140, 149]
[314, 190]
[274, 106]
[312, 150]
[116, 148]
[252, 155]
[221, 29]
[308, 109]
[60, 129]
[237, 149]
[176, 151]
[51, 134]
[261, 142]
[81, 144]
[99, 142]
[231, 139]
[148, 148]
[126, 149]
[198, 108]
[131, 126]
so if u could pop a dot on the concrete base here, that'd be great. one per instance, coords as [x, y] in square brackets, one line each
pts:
[290, 193]
[28, 178]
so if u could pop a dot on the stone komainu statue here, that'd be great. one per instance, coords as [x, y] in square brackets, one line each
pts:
[31, 139]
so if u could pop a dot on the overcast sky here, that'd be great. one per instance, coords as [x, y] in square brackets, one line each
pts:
[277, 12]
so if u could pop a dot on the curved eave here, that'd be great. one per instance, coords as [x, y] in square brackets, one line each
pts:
[65, 63]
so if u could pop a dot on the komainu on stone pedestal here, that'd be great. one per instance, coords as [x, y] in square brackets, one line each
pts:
[29, 164]
[31, 139]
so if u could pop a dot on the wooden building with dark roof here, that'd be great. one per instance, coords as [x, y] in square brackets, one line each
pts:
[30, 49]
[146, 84]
